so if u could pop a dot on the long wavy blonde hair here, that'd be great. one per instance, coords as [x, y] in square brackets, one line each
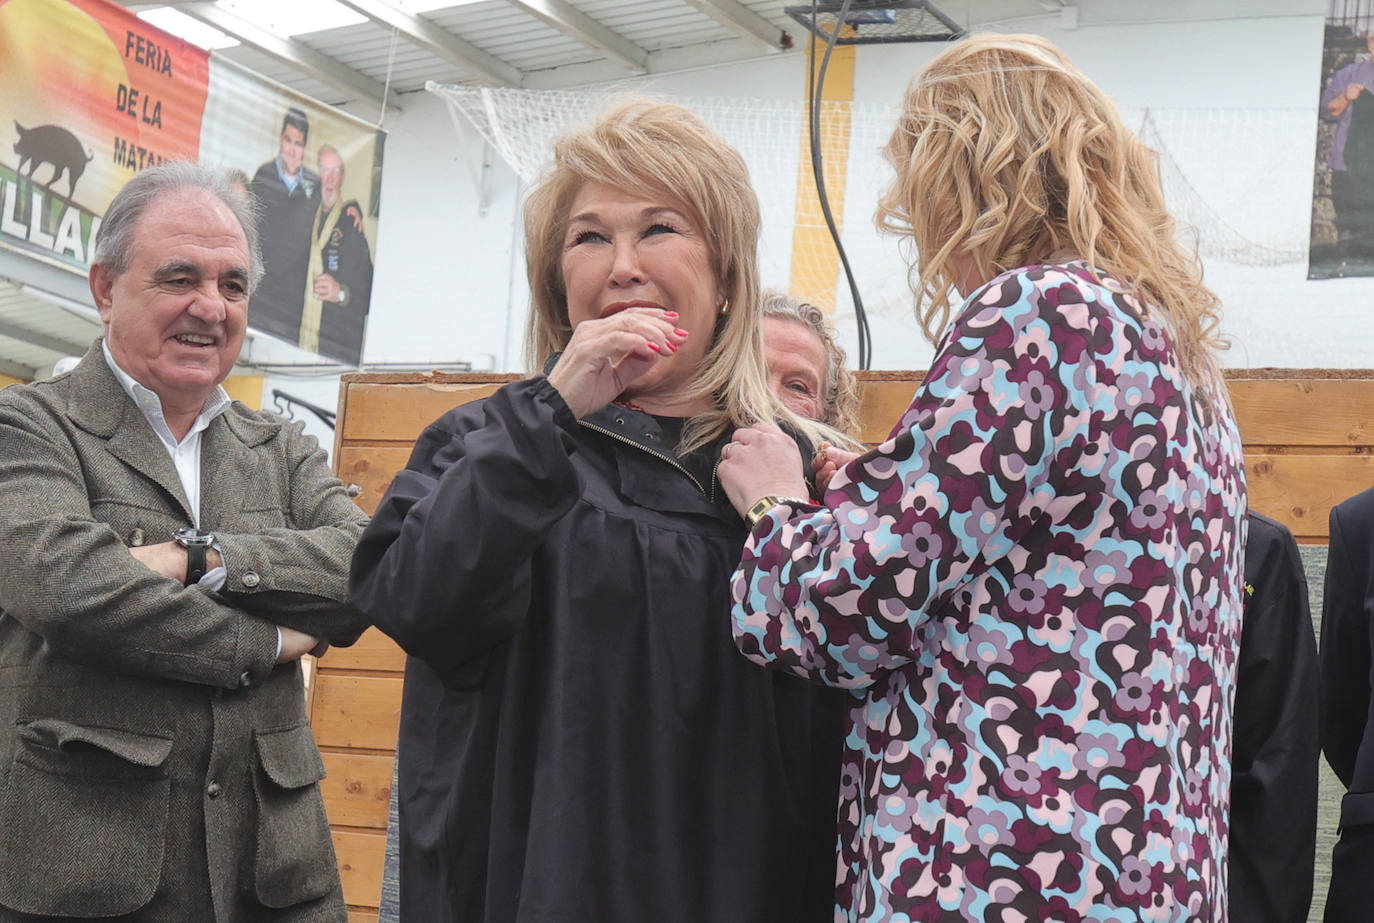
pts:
[664, 150]
[1006, 154]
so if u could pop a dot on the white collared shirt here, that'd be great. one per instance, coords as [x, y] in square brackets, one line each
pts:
[186, 453]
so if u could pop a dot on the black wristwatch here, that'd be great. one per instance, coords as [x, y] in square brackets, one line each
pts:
[195, 542]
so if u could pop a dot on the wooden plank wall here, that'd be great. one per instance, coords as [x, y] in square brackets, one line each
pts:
[1309, 443]
[355, 697]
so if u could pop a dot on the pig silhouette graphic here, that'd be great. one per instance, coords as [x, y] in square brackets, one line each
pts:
[55, 145]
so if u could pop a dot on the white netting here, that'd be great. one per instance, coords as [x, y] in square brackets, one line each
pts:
[1240, 178]
[521, 126]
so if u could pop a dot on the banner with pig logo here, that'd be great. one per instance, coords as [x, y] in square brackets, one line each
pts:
[121, 95]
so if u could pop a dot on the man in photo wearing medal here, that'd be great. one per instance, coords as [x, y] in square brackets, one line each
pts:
[340, 270]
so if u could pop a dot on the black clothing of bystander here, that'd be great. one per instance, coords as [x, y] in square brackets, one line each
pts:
[1275, 748]
[1347, 640]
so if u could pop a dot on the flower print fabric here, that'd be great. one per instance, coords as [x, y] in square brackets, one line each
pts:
[1033, 591]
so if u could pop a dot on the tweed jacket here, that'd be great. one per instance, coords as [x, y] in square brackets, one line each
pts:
[154, 761]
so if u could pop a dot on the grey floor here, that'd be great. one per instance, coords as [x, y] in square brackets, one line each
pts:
[390, 911]
[1330, 789]
[1328, 798]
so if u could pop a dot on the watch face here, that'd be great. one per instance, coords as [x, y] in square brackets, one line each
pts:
[193, 537]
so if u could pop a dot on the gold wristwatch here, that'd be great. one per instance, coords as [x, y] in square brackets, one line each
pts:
[764, 504]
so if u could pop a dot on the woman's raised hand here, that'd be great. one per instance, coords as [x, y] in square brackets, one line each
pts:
[760, 461]
[827, 461]
[606, 355]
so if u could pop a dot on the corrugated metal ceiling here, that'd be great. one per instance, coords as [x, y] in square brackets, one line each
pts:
[35, 333]
[534, 43]
[520, 40]
[656, 36]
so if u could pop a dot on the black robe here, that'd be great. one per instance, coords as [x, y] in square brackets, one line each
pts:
[345, 256]
[580, 740]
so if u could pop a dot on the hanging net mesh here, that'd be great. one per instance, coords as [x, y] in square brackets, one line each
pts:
[1227, 175]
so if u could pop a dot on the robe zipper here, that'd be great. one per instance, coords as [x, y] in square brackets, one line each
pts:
[658, 455]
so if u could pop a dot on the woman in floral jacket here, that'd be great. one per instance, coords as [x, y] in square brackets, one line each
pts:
[1033, 587]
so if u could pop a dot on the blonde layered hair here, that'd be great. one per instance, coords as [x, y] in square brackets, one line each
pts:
[663, 150]
[1006, 155]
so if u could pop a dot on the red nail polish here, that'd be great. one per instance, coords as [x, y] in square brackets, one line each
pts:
[679, 331]
[655, 347]
[672, 346]
[670, 314]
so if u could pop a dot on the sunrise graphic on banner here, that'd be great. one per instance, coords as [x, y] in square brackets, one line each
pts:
[77, 120]
[80, 117]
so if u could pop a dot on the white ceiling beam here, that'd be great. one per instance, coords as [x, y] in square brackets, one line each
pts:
[576, 25]
[708, 55]
[287, 50]
[17, 370]
[743, 21]
[437, 41]
[42, 340]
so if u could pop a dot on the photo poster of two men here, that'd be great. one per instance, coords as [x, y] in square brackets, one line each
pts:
[79, 118]
[315, 174]
[1342, 241]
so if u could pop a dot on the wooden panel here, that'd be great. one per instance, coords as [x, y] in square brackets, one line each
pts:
[361, 857]
[1271, 411]
[372, 468]
[1299, 490]
[356, 711]
[357, 789]
[1296, 489]
[245, 388]
[881, 405]
[344, 388]
[373, 651]
[398, 412]
[1299, 412]
[1306, 437]
[1331, 412]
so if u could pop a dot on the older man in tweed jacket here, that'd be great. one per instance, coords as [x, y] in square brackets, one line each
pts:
[155, 762]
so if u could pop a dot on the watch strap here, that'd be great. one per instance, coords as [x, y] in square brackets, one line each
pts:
[195, 563]
[764, 504]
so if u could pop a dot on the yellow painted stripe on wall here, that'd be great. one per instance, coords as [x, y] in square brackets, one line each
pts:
[815, 262]
[245, 388]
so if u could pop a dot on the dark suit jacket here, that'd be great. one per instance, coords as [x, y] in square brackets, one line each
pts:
[1347, 639]
[285, 235]
[1274, 751]
[153, 759]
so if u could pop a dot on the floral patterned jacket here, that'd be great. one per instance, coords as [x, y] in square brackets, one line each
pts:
[1033, 590]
